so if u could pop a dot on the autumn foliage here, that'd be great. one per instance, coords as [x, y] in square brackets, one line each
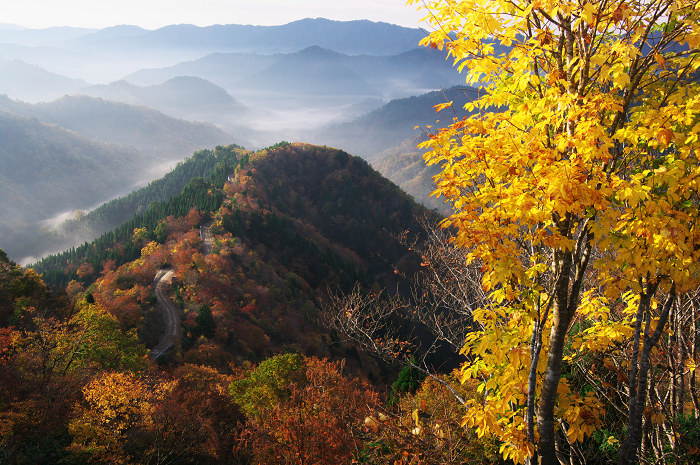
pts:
[574, 187]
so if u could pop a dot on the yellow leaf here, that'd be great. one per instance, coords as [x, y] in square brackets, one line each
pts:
[660, 60]
[690, 365]
[441, 106]
[665, 136]
[589, 13]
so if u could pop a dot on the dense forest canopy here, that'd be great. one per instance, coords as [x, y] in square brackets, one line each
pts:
[256, 295]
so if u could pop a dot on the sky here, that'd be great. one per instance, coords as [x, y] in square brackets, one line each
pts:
[152, 14]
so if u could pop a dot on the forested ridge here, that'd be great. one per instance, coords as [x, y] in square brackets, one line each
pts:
[141, 207]
[75, 152]
[293, 221]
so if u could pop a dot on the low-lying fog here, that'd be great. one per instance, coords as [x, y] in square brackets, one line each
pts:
[154, 172]
[292, 93]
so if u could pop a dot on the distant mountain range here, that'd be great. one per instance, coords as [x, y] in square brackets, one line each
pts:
[293, 78]
[315, 70]
[32, 83]
[187, 97]
[350, 37]
[106, 55]
[161, 137]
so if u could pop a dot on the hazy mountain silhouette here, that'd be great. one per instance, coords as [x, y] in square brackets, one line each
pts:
[39, 37]
[108, 34]
[352, 37]
[75, 64]
[183, 96]
[223, 69]
[32, 83]
[109, 54]
[316, 70]
[47, 170]
[164, 138]
[393, 123]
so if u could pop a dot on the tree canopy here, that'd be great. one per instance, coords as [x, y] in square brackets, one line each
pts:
[574, 185]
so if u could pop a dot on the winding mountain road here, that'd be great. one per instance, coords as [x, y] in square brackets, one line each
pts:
[171, 314]
[205, 234]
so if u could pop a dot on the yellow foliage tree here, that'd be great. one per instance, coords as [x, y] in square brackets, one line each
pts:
[584, 144]
[115, 404]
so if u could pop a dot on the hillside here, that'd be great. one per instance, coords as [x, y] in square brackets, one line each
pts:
[289, 224]
[293, 222]
[48, 170]
[393, 123]
[72, 154]
[404, 165]
[186, 97]
[31, 83]
[108, 216]
[162, 137]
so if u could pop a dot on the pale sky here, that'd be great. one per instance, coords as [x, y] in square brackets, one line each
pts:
[152, 14]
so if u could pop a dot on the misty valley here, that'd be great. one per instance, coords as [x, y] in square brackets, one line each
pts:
[121, 148]
[90, 115]
[335, 242]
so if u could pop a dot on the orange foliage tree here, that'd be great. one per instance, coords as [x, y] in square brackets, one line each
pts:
[304, 410]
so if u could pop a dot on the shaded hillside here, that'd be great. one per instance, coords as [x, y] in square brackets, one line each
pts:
[404, 165]
[393, 123]
[47, 170]
[163, 137]
[110, 215]
[23, 81]
[183, 96]
[296, 221]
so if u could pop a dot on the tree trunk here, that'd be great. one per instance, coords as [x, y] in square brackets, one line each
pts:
[694, 355]
[562, 316]
[638, 391]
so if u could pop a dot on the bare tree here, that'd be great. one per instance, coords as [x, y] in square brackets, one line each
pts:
[442, 296]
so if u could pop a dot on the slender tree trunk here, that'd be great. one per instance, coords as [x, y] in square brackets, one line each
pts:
[638, 391]
[569, 270]
[680, 368]
[694, 354]
[535, 350]
[562, 315]
[644, 300]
